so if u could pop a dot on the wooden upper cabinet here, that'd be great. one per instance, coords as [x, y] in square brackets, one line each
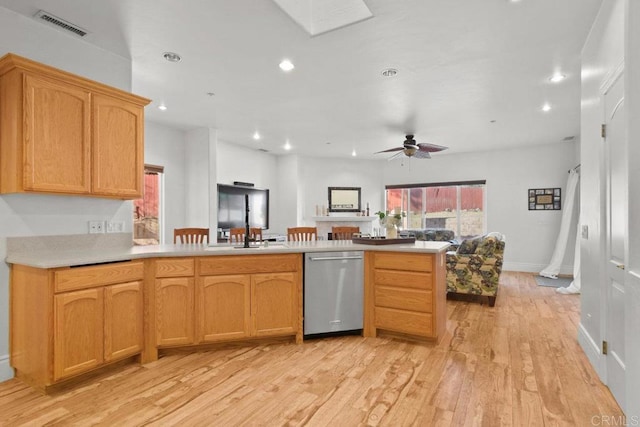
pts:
[118, 147]
[57, 151]
[60, 133]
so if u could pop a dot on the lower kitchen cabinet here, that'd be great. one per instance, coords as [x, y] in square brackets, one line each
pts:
[96, 325]
[78, 334]
[175, 311]
[123, 317]
[264, 301]
[224, 298]
[274, 304]
[405, 293]
[224, 307]
[66, 322]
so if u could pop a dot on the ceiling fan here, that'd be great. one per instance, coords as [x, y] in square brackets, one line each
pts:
[411, 148]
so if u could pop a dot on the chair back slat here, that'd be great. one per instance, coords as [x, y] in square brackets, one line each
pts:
[344, 233]
[302, 234]
[191, 235]
[236, 235]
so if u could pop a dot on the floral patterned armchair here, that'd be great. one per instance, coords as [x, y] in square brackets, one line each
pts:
[475, 268]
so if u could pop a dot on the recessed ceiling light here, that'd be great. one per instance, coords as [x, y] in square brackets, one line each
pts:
[286, 65]
[353, 153]
[389, 72]
[546, 107]
[172, 57]
[162, 107]
[287, 146]
[256, 136]
[557, 77]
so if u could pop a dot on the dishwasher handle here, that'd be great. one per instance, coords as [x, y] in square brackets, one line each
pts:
[334, 258]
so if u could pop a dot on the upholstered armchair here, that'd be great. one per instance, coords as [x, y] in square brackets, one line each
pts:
[432, 234]
[474, 269]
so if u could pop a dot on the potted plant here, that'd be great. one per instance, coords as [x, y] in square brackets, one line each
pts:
[391, 221]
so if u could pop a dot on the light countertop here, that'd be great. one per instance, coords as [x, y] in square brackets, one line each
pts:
[64, 257]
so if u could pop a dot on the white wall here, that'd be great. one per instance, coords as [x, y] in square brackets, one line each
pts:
[165, 146]
[197, 172]
[316, 175]
[603, 52]
[289, 195]
[30, 215]
[27, 37]
[531, 235]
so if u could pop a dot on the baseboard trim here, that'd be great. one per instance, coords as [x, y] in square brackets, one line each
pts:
[534, 268]
[593, 352]
[6, 371]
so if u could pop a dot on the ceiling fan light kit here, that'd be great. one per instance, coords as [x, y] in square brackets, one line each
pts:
[410, 151]
[411, 148]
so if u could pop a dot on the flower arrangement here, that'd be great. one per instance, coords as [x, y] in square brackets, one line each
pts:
[390, 219]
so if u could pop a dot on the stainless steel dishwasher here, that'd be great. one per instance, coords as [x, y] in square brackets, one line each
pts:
[333, 292]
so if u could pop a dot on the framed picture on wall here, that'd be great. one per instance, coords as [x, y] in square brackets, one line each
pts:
[544, 199]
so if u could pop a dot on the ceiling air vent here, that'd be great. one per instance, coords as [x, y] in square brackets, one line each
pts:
[263, 150]
[568, 138]
[60, 23]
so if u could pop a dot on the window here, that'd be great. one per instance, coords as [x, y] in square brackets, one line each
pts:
[457, 206]
[146, 211]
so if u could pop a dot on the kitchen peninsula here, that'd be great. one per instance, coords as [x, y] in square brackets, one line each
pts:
[76, 310]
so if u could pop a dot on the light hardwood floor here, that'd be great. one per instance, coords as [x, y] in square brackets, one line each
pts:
[515, 364]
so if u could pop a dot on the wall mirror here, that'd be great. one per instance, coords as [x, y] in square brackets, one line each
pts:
[344, 199]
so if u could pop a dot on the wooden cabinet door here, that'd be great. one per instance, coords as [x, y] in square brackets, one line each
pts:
[122, 320]
[78, 332]
[224, 307]
[274, 304]
[57, 137]
[174, 311]
[118, 146]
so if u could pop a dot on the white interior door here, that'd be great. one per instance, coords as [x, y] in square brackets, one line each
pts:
[616, 149]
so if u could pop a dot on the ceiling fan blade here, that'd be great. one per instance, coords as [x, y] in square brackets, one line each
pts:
[421, 155]
[396, 156]
[430, 148]
[390, 150]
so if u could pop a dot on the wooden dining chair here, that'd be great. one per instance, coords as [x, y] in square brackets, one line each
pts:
[191, 235]
[236, 235]
[344, 233]
[302, 234]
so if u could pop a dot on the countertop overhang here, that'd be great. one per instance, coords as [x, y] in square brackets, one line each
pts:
[95, 255]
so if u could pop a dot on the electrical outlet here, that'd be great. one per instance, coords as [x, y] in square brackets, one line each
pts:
[96, 227]
[585, 231]
[115, 226]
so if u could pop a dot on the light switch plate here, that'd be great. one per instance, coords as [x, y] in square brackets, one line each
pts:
[115, 226]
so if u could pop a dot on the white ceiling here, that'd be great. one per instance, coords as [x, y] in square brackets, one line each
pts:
[461, 63]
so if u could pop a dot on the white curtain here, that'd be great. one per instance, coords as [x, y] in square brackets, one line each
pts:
[574, 287]
[553, 268]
